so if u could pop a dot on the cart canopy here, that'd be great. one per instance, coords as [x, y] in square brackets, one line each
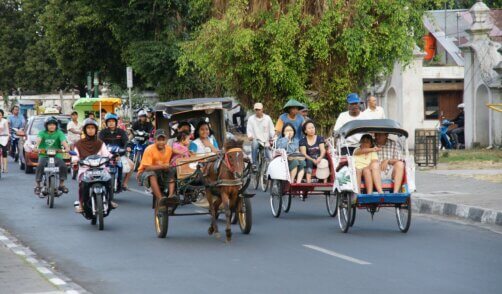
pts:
[177, 106]
[372, 126]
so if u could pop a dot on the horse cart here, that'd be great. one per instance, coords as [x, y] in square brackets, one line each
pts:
[283, 189]
[352, 196]
[192, 182]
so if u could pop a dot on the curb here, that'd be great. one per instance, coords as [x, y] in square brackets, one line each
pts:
[41, 266]
[471, 213]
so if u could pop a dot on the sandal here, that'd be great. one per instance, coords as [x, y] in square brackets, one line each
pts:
[125, 188]
[63, 189]
[38, 191]
[79, 209]
[114, 204]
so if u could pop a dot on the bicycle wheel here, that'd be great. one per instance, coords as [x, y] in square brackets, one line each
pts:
[263, 175]
[276, 197]
[403, 216]
[345, 211]
[257, 174]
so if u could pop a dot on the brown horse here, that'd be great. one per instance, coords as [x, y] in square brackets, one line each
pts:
[223, 180]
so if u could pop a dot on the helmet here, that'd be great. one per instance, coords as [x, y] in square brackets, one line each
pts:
[109, 116]
[461, 105]
[141, 113]
[90, 121]
[149, 109]
[51, 120]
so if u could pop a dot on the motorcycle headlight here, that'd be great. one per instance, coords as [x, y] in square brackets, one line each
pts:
[51, 152]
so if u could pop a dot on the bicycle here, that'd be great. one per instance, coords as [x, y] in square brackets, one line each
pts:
[261, 177]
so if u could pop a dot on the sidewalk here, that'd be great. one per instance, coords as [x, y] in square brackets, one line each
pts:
[457, 193]
[22, 272]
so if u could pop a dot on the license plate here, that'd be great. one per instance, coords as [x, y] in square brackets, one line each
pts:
[51, 169]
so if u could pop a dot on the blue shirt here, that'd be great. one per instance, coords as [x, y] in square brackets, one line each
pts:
[290, 147]
[297, 123]
[16, 121]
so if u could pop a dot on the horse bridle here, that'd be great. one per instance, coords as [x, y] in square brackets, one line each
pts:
[226, 159]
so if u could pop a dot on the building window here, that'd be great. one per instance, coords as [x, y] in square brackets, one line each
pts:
[431, 102]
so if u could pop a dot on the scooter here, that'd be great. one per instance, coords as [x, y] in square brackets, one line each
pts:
[96, 189]
[114, 167]
[139, 144]
[447, 141]
[16, 134]
[50, 177]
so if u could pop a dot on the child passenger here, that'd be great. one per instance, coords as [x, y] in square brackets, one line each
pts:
[180, 147]
[366, 160]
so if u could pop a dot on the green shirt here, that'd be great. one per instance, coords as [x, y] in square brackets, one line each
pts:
[51, 141]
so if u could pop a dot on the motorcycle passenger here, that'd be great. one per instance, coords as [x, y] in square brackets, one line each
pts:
[52, 138]
[155, 169]
[142, 124]
[113, 136]
[16, 121]
[459, 121]
[89, 145]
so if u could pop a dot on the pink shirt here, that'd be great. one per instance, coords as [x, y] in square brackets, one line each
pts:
[81, 169]
[179, 148]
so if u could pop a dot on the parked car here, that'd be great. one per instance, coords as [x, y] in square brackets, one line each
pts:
[28, 160]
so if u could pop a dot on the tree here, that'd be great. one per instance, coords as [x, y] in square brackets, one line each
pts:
[271, 50]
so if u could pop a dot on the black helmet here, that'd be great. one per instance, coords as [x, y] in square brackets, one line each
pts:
[90, 121]
[51, 120]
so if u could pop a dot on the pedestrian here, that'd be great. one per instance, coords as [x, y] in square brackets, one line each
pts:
[241, 114]
[260, 130]
[353, 113]
[4, 140]
[16, 124]
[291, 115]
[373, 111]
[74, 129]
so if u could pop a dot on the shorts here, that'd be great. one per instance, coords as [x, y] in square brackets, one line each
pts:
[387, 175]
[163, 177]
[295, 163]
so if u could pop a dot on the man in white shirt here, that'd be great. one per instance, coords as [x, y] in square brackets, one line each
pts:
[353, 113]
[74, 129]
[373, 111]
[260, 129]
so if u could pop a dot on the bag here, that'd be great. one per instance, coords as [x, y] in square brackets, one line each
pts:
[410, 173]
[126, 164]
[278, 169]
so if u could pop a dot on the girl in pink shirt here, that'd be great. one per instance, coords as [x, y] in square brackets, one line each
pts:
[180, 147]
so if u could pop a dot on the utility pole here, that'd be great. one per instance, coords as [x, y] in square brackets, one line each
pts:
[96, 84]
[129, 87]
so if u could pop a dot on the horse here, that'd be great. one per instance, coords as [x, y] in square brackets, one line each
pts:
[223, 181]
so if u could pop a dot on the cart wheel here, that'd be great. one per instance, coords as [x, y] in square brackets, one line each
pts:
[345, 211]
[286, 203]
[161, 222]
[332, 203]
[403, 215]
[244, 213]
[276, 197]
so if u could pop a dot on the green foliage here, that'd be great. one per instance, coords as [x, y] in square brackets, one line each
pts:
[273, 54]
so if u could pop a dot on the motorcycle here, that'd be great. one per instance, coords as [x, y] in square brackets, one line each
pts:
[447, 141]
[114, 165]
[50, 178]
[16, 134]
[96, 189]
[139, 144]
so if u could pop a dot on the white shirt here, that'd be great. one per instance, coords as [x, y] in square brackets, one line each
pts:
[345, 117]
[4, 132]
[72, 137]
[260, 128]
[378, 113]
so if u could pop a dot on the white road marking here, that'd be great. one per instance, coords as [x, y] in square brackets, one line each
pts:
[335, 254]
[57, 281]
[139, 191]
[44, 270]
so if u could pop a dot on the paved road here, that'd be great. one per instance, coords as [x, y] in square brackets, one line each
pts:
[434, 257]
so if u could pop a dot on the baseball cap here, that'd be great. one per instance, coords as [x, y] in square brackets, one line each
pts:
[160, 133]
[353, 98]
[258, 106]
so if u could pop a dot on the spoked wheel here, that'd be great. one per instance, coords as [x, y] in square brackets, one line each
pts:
[332, 203]
[403, 215]
[257, 175]
[52, 192]
[99, 211]
[345, 211]
[353, 215]
[286, 203]
[263, 176]
[244, 214]
[137, 160]
[161, 222]
[276, 197]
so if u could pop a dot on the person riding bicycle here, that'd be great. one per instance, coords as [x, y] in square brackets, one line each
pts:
[142, 124]
[260, 130]
[89, 145]
[113, 136]
[51, 138]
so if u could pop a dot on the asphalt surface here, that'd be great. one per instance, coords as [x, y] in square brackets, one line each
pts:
[301, 252]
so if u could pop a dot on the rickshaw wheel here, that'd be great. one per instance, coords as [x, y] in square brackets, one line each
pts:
[276, 197]
[353, 215]
[161, 222]
[403, 216]
[286, 203]
[345, 211]
[245, 215]
[332, 203]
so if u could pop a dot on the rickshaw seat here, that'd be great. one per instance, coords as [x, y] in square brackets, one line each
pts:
[387, 184]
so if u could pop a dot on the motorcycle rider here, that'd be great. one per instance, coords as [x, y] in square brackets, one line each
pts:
[142, 124]
[52, 138]
[113, 136]
[16, 121]
[459, 121]
[89, 145]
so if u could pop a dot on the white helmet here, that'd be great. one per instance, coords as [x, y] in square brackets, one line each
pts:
[142, 113]
[461, 105]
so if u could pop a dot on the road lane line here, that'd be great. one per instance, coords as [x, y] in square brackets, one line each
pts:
[335, 254]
